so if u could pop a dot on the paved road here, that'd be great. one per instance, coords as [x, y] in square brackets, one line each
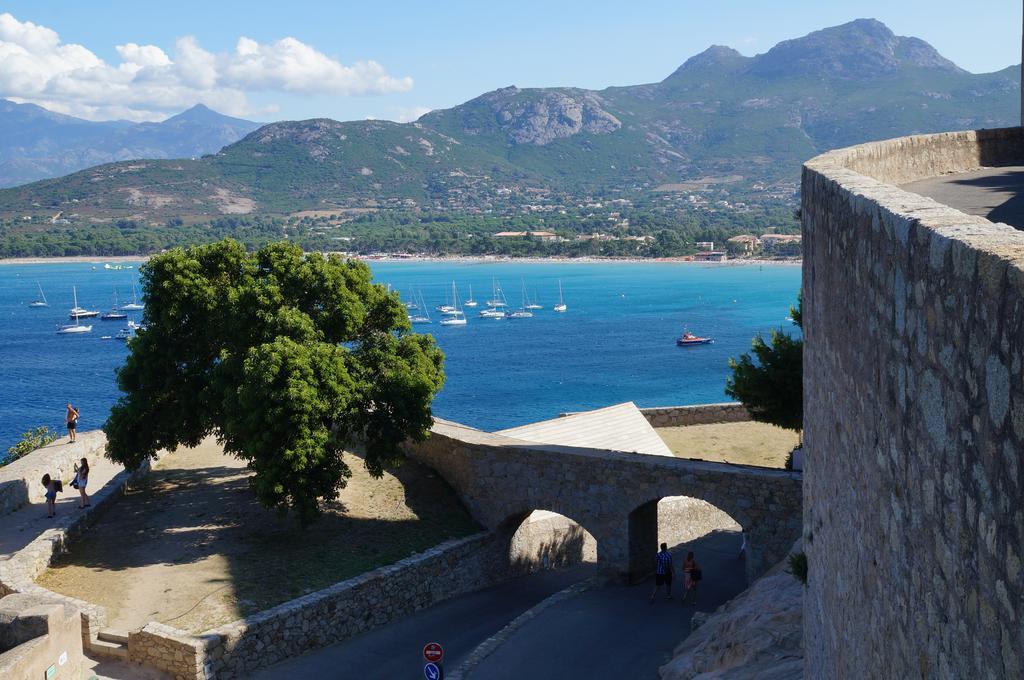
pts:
[613, 632]
[394, 652]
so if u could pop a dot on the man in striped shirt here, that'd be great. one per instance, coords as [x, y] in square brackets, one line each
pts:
[663, 572]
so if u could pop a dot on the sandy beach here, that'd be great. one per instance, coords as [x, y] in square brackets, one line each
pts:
[88, 259]
[493, 259]
[467, 259]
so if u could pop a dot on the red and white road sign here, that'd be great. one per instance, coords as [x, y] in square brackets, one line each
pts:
[433, 652]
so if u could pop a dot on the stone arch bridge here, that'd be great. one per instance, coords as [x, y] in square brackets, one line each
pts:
[613, 495]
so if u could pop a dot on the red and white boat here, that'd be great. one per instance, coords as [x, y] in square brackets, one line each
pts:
[688, 338]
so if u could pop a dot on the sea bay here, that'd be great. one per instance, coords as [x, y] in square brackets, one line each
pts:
[615, 343]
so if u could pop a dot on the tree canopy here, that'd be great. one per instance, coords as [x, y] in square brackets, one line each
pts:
[770, 384]
[286, 358]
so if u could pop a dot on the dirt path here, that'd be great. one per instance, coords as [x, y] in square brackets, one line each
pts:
[193, 549]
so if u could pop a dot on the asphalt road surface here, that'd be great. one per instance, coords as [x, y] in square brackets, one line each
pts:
[609, 632]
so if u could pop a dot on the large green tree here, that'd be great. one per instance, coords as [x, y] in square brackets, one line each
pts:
[770, 383]
[287, 358]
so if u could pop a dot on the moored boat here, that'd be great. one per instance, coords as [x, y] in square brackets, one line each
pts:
[41, 302]
[687, 339]
[560, 307]
[76, 327]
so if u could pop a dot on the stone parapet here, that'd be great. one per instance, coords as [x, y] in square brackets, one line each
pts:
[701, 414]
[19, 481]
[914, 416]
[19, 571]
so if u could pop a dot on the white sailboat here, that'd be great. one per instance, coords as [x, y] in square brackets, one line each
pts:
[456, 317]
[41, 302]
[447, 307]
[114, 313]
[560, 307]
[412, 304]
[77, 312]
[534, 304]
[75, 327]
[522, 312]
[134, 305]
[424, 315]
[497, 297]
[470, 302]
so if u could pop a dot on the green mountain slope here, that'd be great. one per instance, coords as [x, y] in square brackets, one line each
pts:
[752, 119]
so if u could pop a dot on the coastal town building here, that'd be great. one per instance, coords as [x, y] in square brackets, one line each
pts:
[711, 256]
[744, 244]
[705, 245]
[781, 244]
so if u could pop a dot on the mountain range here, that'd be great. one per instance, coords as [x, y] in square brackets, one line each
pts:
[720, 115]
[36, 143]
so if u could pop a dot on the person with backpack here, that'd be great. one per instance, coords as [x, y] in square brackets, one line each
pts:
[52, 487]
[663, 572]
[81, 481]
[691, 577]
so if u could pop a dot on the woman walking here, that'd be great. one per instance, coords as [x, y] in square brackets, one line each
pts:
[71, 418]
[691, 576]
[81, 481]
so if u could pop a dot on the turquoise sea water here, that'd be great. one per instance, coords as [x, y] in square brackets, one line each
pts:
[615, 343]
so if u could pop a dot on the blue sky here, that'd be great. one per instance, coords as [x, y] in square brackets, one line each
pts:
[425, 55]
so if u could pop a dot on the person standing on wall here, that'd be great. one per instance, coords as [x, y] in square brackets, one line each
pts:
[663, 572]
[691, 576]
[71, 419]
[81, 481]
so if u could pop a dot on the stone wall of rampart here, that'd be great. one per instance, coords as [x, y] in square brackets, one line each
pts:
[914, 417]
[20, 480]
[701, 414]
[19, 571]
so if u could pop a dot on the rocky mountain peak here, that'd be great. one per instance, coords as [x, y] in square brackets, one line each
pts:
[858, 50]
[714, 56]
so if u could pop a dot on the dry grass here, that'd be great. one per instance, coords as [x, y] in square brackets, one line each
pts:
[747, 443]
[193, 549]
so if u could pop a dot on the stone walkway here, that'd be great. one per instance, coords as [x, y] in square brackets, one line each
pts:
[24, 525]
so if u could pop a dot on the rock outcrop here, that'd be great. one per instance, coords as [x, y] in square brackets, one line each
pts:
[757, 635]
[542, 116]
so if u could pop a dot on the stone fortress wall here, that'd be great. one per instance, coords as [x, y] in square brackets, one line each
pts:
[914, 417]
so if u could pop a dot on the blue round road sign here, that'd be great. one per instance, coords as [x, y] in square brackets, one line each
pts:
[431, 671]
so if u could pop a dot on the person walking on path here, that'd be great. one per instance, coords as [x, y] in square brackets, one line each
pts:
[81, 481]
[52, 487]
[691, 576]
[663, 572]
[71, 418]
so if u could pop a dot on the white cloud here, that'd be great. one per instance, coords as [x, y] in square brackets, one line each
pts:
[410, 114]
[149, 84]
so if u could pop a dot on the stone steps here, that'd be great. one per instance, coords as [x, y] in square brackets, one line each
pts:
[108, 649]
[112, 635]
